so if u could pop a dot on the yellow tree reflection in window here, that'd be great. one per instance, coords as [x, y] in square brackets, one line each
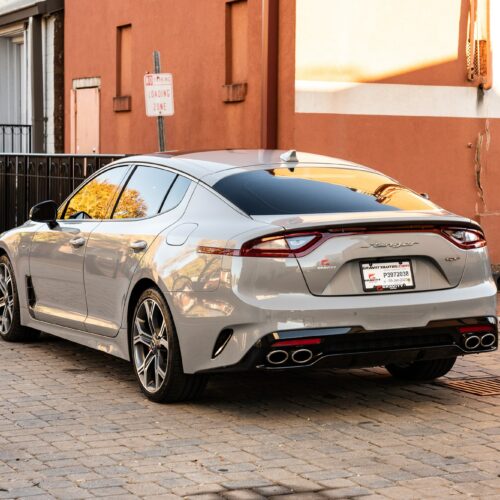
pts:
[97, 196]
[131, 205]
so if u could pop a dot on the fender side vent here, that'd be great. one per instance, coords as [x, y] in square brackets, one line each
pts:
[222, 341]
[30, 291]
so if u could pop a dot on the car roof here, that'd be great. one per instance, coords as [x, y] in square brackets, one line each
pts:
[200, 164]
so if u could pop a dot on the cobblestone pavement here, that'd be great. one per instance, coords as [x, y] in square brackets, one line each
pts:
[73, 424]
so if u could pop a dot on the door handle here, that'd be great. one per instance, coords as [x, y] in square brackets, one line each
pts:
[77, 242]
[138, 246]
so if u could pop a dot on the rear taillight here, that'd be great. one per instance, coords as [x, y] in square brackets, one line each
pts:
[290, 245]
[465, 238]
[301, 243]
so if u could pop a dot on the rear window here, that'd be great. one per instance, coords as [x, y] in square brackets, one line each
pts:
[314, 190]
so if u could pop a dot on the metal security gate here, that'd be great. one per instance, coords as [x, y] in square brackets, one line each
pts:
[27, 179]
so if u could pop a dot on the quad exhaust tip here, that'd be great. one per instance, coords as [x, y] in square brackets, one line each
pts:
[472, 342]
[277, 357]
[302, 356]
[488, 340]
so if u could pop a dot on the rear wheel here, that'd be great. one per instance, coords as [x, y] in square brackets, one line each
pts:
[422, 370]
[11, 329]
[156, 355]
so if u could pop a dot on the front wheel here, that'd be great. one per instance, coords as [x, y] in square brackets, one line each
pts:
[422, 370]
[156, 355]
[11, 329]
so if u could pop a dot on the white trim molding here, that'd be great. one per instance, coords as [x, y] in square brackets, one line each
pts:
[390, 99]
[13, 30]
[87, 83]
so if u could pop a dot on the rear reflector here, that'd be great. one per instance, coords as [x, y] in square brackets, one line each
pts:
[475, 329]
[296, 342]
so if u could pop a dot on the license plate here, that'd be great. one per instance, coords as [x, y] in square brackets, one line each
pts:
[381, 276]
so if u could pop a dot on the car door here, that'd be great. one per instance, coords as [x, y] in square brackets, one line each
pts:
[116, 246]
[57, 254]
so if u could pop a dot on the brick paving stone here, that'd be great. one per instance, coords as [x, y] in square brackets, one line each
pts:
[353, 492]
[300, 496]
[197, 489]
[44, 496]
[104, 482]
[398, 492]
[71, 493]
[242, 495]
[478, 490]
[337, 483]
[205, 496]
[164, 497]
[323, 433]
[298, 484]
[245, 484]
[145, 489]
[372, 481]
[110, 492]
[269, 491]
[21, 492]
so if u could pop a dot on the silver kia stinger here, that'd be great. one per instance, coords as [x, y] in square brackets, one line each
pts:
[249, 260]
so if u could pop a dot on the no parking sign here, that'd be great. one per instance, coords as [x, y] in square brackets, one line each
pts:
[159, 93]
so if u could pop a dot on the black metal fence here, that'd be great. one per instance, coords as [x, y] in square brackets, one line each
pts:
[27, 179]
[15, 138]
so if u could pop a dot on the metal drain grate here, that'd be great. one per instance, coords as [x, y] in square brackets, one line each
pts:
[478, 386]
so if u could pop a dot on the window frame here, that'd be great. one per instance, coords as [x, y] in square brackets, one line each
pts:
[125, 184]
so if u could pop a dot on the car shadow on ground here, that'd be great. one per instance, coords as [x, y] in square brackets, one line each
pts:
[311, 388]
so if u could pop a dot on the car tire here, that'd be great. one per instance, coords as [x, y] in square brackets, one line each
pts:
[422, 370]
[11, 329]
[155, 353]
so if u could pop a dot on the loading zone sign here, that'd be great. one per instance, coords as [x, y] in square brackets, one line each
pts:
[159, 92]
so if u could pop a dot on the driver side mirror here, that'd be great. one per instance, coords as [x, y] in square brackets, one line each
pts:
[46, 211]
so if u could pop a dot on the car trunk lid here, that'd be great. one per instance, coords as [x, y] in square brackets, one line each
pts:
[405, 251]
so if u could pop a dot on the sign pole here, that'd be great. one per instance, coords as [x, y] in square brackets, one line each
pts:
[159, 97]
[160, 124]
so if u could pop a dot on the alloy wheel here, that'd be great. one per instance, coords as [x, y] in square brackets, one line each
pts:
[150, 345]
[6, 299]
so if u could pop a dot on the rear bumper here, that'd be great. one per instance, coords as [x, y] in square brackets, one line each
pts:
[252, 317]
[350, 347]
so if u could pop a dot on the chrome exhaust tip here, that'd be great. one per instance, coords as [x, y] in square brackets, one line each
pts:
[277, 357]
[488, 339]
[301, 356]
[472, 342]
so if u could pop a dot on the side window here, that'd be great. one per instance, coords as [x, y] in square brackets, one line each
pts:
[144, 193]
[94, 198]
[176, 193]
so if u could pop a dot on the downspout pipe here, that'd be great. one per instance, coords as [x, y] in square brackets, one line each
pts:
[37, 95]
[270, 62]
